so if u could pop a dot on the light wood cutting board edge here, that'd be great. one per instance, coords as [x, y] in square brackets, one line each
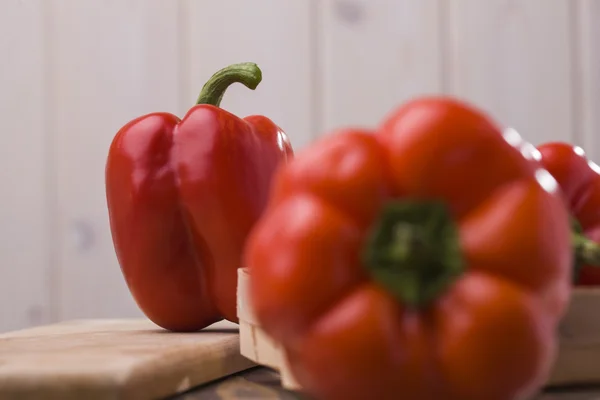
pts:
[179, 368]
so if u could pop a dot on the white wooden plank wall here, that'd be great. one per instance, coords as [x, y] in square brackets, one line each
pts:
[513, 58]
[375, 54]
[75, 71]
[24, 209]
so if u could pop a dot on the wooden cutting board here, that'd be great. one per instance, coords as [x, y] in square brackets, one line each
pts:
[578, 359]
[114, 359]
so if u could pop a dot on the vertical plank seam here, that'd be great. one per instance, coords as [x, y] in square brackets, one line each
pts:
[585, 79]
[577, 78]
[316, 71]
[183, 56]
[445, 46]
[52, 209]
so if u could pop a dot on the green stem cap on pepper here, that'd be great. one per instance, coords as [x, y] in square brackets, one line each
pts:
[414, 251]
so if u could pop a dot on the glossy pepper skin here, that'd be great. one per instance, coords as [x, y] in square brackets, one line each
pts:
[182, 197]
[427, 259]
[579, 179]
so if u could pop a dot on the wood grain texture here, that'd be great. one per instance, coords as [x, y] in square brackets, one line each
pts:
[24, 245]
[264, 383]
[513, 59]
[374, 55]
[111, 61]
[255, 344]
[114, 359]
[274, 34]
[256, 383]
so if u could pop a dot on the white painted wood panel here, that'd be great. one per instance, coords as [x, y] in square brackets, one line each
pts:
[587, 40]
[75, 71]
[376, 54]
[24, 265]
[513, 58]
[274, 34]
[111, 61]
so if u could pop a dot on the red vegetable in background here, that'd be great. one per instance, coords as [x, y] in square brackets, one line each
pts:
[182, 196]
[579, 179]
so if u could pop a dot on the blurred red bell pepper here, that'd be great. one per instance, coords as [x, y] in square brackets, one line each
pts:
[183, 195]
[426, 259]
[579, 179]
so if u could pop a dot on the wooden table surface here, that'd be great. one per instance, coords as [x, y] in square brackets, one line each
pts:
[263, 383]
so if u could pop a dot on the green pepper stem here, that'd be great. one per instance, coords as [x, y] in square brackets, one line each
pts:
[413, 251]
[586, 251]
[213, 90]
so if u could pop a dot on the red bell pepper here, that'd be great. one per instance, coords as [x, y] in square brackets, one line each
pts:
[427, 259]
[579, 179]
[182, 197]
